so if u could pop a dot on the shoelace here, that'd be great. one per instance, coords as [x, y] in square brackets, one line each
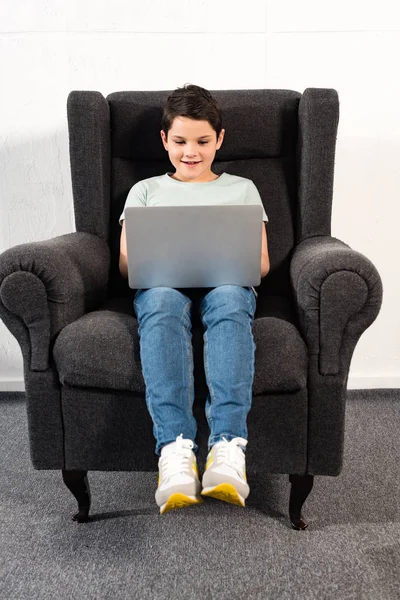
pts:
[178, 460]
[232, 453]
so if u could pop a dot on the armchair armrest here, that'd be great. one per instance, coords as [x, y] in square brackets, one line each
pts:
[46, 285]
[338, 293]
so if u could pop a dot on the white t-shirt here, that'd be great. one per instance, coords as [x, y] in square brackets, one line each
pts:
[162, 190]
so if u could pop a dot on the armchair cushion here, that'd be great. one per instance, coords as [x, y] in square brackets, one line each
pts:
[101, 349]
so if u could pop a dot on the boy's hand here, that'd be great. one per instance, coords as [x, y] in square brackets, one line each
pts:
[264, 253]
[123, 254]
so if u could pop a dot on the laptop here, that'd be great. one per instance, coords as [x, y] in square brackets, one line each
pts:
[193, 246]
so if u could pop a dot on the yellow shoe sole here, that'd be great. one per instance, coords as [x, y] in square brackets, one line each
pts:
[179, 501]
[226, 492]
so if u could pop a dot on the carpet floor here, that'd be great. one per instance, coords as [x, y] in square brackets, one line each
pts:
[350, 551]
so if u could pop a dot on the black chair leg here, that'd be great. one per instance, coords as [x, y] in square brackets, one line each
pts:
[77, 482]
[300, 489]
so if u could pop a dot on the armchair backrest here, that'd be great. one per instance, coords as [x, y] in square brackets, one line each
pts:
[282, 140]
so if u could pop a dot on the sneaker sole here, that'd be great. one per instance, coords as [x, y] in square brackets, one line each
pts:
[179, 500]
[226, 492]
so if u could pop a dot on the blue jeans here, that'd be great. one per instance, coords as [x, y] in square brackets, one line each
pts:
[164, 318]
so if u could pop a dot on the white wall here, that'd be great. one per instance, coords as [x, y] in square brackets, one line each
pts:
[48, 48]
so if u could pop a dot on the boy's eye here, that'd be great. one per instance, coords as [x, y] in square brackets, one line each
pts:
[184, 142]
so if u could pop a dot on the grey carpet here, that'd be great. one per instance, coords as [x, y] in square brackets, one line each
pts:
[350, 551]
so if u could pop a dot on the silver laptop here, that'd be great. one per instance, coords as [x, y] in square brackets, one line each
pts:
[193, 246]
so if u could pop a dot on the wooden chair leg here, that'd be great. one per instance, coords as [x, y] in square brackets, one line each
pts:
[78, 483]
[300, 489]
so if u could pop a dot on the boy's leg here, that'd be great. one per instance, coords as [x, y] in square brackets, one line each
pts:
[227, 314]
[167, 362]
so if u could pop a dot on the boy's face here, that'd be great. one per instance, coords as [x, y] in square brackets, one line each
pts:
[192, 141]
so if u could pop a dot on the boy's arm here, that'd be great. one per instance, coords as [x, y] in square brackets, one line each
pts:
[123, 255]
[136, 197]
[264, 253]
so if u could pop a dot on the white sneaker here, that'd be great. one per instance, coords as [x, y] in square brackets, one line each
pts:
[178, 479]
[225, 475]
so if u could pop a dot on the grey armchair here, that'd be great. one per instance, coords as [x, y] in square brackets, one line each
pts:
[71, 311]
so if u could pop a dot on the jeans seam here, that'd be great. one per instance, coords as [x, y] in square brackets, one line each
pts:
[149, 406]
[251, 323]
[209, 384]
[189, 349]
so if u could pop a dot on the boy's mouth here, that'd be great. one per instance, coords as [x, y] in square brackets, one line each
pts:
[191, 164]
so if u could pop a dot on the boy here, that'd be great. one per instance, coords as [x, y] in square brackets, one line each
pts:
[191, 134]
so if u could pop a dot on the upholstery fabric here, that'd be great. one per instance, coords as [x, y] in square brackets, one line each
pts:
[114, 359]
[338, 291]
[47, 285]
[112, 431]
[90, 157]
[318, 120]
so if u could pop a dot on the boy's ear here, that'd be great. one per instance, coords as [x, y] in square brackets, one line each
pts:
[162, 134]
[221, 138]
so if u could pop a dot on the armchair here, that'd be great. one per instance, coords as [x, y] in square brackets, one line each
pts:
[72, 313]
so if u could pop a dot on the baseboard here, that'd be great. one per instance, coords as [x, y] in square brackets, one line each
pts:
[360, 382]
[10, 384]
[355, 382]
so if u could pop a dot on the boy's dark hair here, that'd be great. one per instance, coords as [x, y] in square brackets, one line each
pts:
[194, 102]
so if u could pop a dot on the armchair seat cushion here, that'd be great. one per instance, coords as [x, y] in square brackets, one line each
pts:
[101, 349]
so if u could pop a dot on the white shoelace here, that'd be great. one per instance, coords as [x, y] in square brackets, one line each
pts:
[231, 453]
[178, 460]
